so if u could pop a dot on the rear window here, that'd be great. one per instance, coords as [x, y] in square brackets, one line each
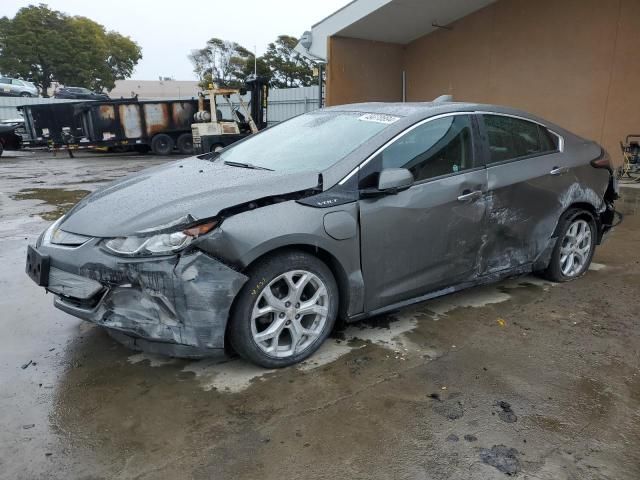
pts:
[511, 138]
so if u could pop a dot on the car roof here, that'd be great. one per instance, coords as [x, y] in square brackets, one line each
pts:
[419, 110]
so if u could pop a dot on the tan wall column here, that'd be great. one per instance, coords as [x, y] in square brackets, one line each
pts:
[363, 71]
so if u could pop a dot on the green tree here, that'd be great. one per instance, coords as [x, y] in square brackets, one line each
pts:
[222, 62]
[44, 45]
[288, 67]
[228, 64]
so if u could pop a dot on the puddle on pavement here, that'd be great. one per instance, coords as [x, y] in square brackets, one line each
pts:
[62, 200]
[388, 332]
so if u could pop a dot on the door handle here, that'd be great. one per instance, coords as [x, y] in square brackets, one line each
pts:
[468, 195]
[558, 171]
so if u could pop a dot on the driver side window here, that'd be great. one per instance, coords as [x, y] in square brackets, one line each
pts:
[435, 148]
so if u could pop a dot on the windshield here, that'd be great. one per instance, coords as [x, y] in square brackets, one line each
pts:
[313, 141]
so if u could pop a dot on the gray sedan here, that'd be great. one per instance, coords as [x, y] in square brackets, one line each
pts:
[346, 212]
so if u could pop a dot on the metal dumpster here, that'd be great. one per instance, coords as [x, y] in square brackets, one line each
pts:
[161, 126]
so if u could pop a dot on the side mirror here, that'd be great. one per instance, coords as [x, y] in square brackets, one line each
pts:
[390, 182]
[394, 180]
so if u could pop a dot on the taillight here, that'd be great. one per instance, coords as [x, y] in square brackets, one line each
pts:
[603, 161]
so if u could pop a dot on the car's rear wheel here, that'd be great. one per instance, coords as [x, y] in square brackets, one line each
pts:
[25, 94]
[216, 148]
[285, 311]
[576, 245]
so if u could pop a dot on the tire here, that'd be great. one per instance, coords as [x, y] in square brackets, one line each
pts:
[216, 147]
[25, 94]
[284, 330]
[564, 266]
[185, 144]
[1, 149]
[162, 144]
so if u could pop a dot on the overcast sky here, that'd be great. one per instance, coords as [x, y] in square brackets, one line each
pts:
[168, 30]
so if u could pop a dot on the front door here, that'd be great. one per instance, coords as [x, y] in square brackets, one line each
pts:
[427, 237]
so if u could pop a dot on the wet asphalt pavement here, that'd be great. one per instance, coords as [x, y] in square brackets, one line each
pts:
[524, 378]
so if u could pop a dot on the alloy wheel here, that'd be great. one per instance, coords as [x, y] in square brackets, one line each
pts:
[575, 251]
[290, 313]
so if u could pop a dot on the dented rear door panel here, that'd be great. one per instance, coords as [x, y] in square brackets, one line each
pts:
[528, 196]
[524, 205]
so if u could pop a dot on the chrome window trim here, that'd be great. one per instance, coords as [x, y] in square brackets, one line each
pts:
[560, 137]
[398, 137]
[561, 141]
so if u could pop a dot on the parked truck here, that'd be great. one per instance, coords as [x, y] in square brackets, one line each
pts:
[159, 126]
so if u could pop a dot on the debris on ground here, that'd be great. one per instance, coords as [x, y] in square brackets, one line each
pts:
[28, 426]
[27, 364]
[501, 457]
[502, 322]
[452, 438]
[506, 413]
[470, 438]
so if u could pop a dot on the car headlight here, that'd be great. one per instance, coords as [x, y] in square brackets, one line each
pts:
[60, 237]
[159, 244]
[55, 236]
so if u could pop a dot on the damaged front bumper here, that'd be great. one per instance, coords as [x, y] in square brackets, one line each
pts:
[177, 305]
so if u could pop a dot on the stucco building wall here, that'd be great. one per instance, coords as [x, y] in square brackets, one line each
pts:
[572, 62]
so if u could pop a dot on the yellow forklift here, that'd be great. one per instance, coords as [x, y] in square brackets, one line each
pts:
[211, 132]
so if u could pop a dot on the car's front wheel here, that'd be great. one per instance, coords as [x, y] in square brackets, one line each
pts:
[575, 247]
[285, 311]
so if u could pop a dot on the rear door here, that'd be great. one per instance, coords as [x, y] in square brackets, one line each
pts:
[526, 179]
[427, 237]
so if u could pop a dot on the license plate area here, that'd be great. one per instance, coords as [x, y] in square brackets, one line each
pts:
[37, 267]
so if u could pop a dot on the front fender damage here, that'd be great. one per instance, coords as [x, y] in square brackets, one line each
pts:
[178, 301]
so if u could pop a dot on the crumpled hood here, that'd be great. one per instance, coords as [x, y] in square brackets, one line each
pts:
[161, 196]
